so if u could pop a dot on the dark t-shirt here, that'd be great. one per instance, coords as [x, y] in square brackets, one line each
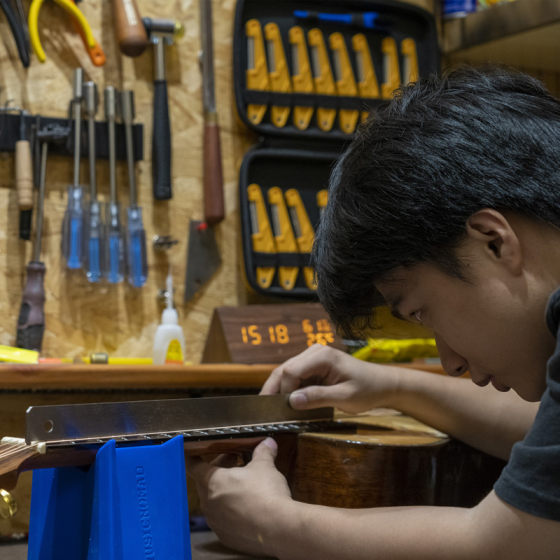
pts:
[531, 479]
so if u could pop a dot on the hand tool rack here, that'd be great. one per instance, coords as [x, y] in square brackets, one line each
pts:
[10, 126]
[302, 158]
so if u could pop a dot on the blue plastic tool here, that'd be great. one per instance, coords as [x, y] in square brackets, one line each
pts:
[130, 504]
[368, 20]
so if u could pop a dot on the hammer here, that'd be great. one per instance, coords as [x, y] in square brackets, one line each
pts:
[161, 33]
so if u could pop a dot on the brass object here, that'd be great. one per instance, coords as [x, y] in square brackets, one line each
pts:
[8, 506]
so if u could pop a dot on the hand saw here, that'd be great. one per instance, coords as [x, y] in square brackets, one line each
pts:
[69, 435]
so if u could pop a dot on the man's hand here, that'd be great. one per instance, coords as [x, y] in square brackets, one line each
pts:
[324, 376]
[240, 502]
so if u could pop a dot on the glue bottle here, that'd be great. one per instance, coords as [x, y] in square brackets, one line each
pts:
[169, 341]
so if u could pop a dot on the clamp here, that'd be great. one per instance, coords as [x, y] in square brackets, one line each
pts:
[95, 52]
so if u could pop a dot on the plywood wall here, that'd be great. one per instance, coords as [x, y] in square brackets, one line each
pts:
[82, 318]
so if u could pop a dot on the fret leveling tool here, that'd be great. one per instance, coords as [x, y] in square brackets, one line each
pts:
[70, 435]
[410, 61]
[283, 236]
[322, 199]
[278, 73]
[261, 233]
[390, 67]
[345, 81]
[303, 230]
[302, 79]
[367, 80]
[322, 76]
[257, 70]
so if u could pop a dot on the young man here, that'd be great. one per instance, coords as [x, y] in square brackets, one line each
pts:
[447, 207]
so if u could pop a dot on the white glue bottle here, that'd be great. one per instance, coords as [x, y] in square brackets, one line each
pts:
[169, 341]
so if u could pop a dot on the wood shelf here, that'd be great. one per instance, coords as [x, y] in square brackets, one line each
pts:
[69, 377]
[97, 377]
[523, 33]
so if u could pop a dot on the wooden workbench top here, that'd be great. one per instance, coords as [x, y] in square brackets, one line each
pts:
[85, 377]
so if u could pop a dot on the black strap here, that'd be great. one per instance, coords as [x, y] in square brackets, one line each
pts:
[299, 260]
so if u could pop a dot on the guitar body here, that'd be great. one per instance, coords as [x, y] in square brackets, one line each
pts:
[386, 461]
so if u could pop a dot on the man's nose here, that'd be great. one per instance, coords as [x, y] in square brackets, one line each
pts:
[453, 364]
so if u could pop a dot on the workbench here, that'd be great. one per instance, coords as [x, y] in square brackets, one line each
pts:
[22, 386]
[205, 546]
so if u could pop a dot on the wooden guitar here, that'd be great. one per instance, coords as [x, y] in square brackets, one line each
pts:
[382, 459]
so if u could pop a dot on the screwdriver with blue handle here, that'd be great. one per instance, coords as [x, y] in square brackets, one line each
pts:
[72, 225]
[135, 234]
[114, 240]
[93, 225]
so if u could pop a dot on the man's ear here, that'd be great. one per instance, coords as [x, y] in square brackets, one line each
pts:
[499, 239]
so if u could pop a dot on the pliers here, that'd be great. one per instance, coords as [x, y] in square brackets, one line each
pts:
[18, 31]
[95, 52]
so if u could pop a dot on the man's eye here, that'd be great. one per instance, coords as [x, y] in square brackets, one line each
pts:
[416, 316]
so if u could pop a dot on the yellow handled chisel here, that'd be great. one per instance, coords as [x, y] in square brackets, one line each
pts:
[261, 233]
[390, 67]
[302, 80]
[410, 61]
[322, 76]
[345, 81]
[283, 236]
[367, 80]
[278, 73]
[257, 71]
[303, 231]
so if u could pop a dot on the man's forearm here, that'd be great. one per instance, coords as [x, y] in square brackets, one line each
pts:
[480, 416]
[431, 533]
[492, 530]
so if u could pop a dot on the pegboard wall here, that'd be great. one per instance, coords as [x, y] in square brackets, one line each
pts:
[80, 317]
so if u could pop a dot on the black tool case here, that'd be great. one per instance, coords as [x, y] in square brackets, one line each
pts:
[302, 157]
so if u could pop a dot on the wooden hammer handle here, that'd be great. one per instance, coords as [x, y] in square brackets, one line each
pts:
[131, 33]
[213, 177]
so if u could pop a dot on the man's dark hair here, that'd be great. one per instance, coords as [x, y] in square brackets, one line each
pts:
[441, 150]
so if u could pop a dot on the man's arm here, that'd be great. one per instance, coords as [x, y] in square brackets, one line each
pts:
[250, 509]
[492, 530]
[480, 416]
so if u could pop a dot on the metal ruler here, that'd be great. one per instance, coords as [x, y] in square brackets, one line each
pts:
[160, 420]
